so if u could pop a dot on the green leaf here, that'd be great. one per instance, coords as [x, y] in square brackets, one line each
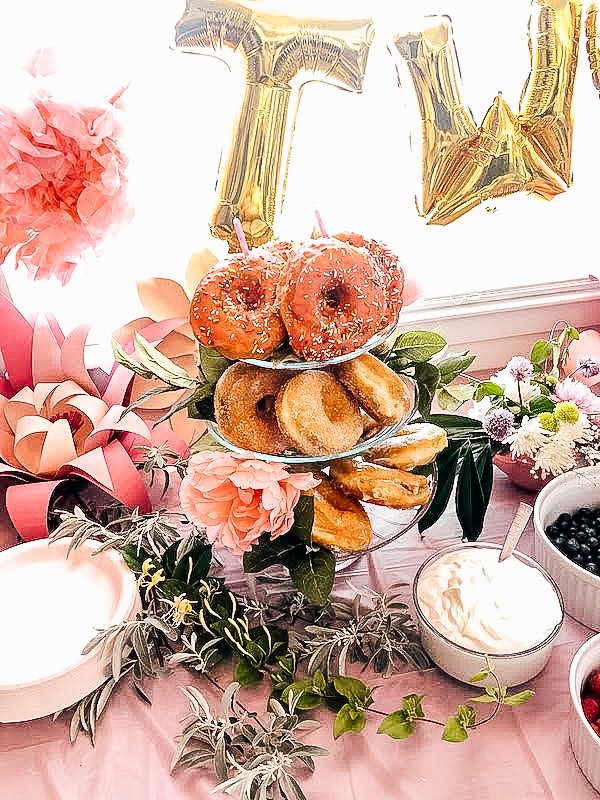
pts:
[453, 365]
[488, 389]
[123, 358]
[304, 517]
[265, 553]
[483, 698]
[447, 463]
[454, 731]
[452, 397]
[428, 378]
[348, 720]
[172, 588]
[356, 692]
[540, 351]
[455, 423]
[202, 404]
[471, 504]
[540, 404]
[132, 559]
[305, 690]
[411, 705]
[397, 725]
[161, 366]
[246, 674]
[485, 470]
[479, 676]
[418, 346]
[314, 575]
[194, 565]
[212, 364]
[519, 698]
[466, 716]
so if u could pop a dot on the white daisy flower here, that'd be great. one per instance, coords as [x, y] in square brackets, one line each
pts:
[528, 439]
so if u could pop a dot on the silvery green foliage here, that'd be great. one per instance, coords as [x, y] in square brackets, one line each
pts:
[382, 637]
[152, 533]
[253, 757]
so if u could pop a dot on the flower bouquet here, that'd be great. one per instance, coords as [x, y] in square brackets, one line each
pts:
[540, 412]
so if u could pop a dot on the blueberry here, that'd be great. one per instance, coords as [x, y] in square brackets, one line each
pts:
[585, 550]
[552, 531]
[593, 542]
[572, 546]
[560, 542]
[581, 534]
[592, 567]
[563, 518]
[577, 558]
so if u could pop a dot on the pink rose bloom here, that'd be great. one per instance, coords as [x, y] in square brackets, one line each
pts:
[237, 498]
[577, 392]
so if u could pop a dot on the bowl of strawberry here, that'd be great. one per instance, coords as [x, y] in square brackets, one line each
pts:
[584, 713]
[567, 540]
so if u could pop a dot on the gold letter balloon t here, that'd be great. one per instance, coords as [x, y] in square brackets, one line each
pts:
[280, 54]
[463, 164]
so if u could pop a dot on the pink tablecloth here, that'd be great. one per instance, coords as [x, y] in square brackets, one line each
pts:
[524, 753]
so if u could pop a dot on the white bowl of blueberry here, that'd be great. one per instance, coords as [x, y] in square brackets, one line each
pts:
[567, 540]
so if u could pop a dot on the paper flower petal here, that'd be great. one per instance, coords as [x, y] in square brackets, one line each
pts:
[30, 435]
[16, 342]
[28, 505]
[21, 404]
[199, 264]
[45, 356]
[72, 360]
[163, 298]
[111, 422]
[57, 449]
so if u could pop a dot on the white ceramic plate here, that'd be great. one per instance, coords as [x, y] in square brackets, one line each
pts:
[50, 607]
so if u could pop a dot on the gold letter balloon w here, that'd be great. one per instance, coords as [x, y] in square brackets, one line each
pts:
[464, 165]
[280, 54]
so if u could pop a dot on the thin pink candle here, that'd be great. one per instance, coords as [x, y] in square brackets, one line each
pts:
[241, 237]
[320, 224]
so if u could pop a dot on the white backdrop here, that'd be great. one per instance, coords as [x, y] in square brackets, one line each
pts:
[351, 156]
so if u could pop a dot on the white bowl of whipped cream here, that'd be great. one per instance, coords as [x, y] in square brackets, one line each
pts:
[471, 605]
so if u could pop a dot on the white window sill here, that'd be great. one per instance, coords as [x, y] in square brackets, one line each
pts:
[495, 325]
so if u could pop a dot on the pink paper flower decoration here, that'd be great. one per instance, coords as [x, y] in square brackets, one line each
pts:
[62, 182]
[238, 498]
[59, 420]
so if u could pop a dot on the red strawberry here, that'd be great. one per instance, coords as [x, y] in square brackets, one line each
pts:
[593, 682]
[591, 709]
[596, 728]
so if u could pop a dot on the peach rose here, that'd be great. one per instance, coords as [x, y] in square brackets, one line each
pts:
[237, 498]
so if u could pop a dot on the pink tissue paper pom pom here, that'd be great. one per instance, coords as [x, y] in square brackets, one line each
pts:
[62, 182]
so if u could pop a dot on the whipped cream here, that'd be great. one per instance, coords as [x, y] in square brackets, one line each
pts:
[486, 605]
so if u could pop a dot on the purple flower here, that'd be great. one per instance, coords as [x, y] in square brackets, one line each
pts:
[520, 368]
[499, 423]
[588, 367]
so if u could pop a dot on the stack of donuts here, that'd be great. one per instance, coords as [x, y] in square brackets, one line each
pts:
[326, 298]
[315, 412]
[382, 477]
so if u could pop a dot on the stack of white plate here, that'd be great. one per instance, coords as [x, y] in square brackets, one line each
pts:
[51, 606]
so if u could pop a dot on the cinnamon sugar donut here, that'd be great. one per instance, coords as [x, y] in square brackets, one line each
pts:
[379, 485]
[340, 522]
[317, 414]
[382, 393]
[234, 307]
[413, 446]
[332, 300]
[390, 270]
[245, 407]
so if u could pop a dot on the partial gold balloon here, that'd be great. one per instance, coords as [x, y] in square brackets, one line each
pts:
[592, 43]
[545, 107]
[464, 165]
[280, 53]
